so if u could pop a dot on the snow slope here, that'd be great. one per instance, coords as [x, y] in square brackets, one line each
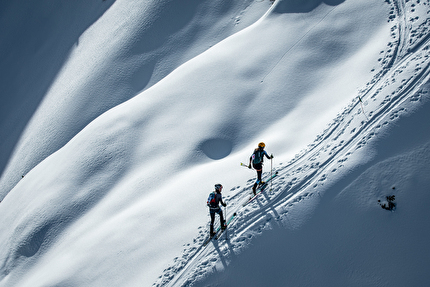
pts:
[85, 73]
[340, 89]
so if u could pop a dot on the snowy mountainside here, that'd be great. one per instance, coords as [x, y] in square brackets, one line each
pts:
[91, 66]
[400, 89]
[124, 197]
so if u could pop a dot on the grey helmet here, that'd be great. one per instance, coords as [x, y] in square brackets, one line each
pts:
[218, 187]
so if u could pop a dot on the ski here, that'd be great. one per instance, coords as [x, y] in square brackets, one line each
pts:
[209, 239]
[218, 232]
[227, 223]
[261, 188]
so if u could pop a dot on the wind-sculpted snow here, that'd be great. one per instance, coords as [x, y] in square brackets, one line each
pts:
[398, 88]
[89, 70]
[302, 6]
[338, 91]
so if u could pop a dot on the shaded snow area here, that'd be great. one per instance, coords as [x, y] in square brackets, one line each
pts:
[118, 117]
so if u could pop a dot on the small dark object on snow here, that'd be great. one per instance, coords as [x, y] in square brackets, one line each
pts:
[390, 204]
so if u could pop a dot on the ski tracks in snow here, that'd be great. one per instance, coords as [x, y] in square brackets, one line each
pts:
[399, 84]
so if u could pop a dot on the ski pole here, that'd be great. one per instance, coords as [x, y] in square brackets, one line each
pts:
[271, 168]
[361, 102]
[225, 209]
[244, 165]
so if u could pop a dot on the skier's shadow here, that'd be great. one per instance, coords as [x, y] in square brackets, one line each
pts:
[272, 211]
[302, 6]
[220, 255]
[225, 237]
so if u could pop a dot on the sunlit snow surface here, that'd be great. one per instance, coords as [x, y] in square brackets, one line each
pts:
[147, 105]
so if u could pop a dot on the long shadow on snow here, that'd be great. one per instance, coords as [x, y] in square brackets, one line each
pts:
[302, 6]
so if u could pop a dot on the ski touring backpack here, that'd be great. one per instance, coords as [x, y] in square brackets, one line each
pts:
[211, 200]
[257, 157]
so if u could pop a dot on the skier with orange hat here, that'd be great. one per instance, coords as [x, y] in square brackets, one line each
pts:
[256, 159]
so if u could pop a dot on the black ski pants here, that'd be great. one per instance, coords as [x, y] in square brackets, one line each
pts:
[221, 217]
[259, 168]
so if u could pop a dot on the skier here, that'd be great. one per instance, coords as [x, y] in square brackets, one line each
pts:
[257, 162]
[215, 198]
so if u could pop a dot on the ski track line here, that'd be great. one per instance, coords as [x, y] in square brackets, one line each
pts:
[252, 219]
[202, 251]
[411, 87]
[259, 216]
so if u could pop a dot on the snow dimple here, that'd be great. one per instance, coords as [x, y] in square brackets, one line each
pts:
[216, 148]
[31, 245]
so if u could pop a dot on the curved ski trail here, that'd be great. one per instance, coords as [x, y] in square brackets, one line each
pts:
[398, 85]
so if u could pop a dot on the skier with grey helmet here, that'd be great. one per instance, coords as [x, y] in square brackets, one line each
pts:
[215, 198]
